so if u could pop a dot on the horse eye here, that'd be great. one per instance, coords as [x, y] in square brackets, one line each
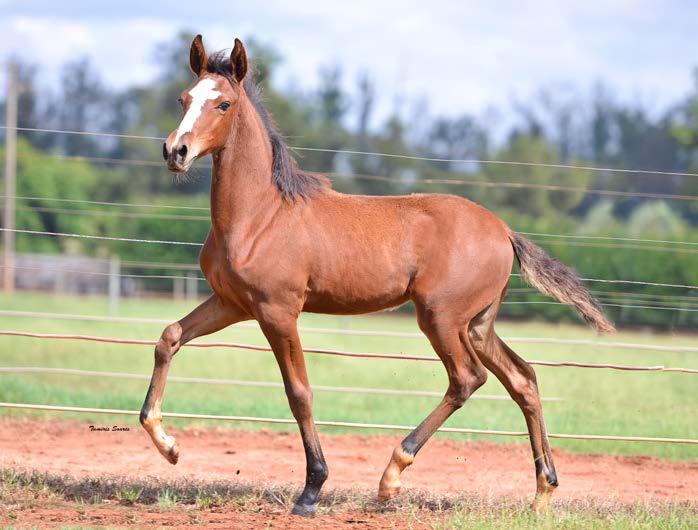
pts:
[224, 106]
[181, 101]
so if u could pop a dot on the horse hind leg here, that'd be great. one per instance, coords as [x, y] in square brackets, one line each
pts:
[465, 375]
[519, 379]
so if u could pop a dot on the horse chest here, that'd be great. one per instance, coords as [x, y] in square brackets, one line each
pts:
[226, 271]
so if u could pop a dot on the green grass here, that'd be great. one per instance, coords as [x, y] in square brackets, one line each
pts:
[594, 401]
[573, 517]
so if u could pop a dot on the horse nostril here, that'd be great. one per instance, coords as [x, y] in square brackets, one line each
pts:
[164, 151]
[182, 151]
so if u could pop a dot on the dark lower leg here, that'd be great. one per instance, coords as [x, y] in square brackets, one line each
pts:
[300, 399]
[316, 471]
[289, 355]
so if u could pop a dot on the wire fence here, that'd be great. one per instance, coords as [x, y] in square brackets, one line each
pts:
[143, 215]
[645, 301]
[190, 243]
[350, 332]
[339, 353]
[428, 181]
[391, 155]
[197, 244]
[193, 267]
[44, 370]
[601, 295]
[346, 424]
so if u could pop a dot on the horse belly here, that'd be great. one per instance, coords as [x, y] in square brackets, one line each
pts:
[352, 289]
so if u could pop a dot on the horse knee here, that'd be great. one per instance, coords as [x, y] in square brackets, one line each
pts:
[169, 343]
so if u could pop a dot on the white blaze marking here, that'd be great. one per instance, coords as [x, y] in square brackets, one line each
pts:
[202, 92]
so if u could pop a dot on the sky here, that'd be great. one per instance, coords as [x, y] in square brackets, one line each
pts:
[457, 56]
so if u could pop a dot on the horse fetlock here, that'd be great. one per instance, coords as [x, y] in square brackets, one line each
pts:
[551, 478]
[390, 485]
[317, 474]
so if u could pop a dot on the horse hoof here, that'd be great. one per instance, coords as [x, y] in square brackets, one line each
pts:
[170, 451]
[389, 486]
[304, 510]
[385, 493]
[173, 454]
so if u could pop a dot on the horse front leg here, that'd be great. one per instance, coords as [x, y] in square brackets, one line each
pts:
[282, 334]
[211, 316]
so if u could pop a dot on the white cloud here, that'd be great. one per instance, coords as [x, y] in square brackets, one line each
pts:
[121, 51]
[461, 55]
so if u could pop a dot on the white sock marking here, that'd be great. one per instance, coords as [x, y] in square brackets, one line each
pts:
[200, 93]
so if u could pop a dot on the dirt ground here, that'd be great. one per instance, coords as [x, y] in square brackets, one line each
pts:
[444, 466]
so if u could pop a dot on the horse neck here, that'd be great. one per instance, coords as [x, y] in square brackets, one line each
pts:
[241, 185]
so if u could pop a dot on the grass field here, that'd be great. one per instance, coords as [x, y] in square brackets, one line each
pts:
[593, 401]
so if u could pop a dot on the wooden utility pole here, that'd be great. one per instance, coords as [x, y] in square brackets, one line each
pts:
[8, 270]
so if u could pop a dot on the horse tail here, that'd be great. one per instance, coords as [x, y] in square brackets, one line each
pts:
[557, 280]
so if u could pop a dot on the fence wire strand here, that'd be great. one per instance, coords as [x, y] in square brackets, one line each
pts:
[350, 332]
[340, 353]
[389, 155]
[239, 382]
[347, 424]
[144, 215]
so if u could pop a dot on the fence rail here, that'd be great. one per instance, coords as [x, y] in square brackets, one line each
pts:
[238, 382]
[347, 424]
[340, 353]
[352, 332]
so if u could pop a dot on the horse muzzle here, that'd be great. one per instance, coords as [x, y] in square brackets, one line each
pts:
[176, 158]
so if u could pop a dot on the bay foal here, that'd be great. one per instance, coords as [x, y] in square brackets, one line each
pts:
[282, 242]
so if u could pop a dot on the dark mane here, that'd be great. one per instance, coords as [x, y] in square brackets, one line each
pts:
[291, 181]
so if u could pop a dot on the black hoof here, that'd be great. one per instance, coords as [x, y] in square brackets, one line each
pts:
[304, 510]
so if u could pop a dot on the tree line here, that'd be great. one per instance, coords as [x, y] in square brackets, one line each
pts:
[556, 127]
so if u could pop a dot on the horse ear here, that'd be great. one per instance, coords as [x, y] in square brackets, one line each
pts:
[197, 56]
[238, 61]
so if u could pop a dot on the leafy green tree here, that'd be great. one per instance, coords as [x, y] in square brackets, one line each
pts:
[545, 197]
[80, 107]
[458, 138]
[655, 219]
